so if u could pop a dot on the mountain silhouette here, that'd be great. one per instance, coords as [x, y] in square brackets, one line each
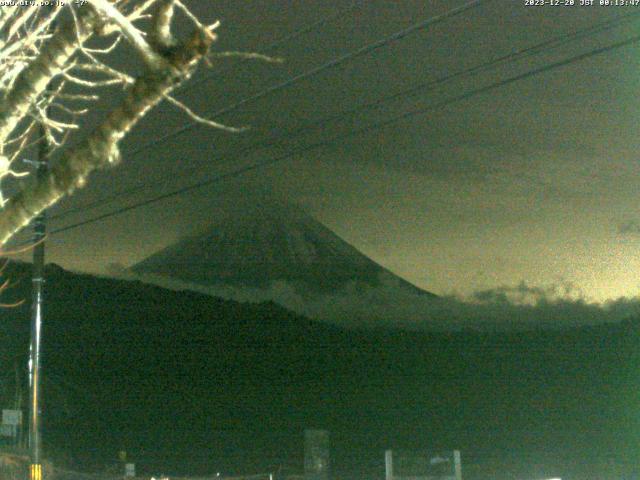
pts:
[268, 243]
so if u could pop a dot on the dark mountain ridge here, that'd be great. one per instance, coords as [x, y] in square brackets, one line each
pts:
[188, 383]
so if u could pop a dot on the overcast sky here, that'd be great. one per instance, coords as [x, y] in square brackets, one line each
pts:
[536, 181]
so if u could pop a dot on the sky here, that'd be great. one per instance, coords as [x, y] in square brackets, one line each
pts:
[535, 181]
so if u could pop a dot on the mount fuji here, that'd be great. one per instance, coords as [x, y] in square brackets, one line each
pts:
[275, 251]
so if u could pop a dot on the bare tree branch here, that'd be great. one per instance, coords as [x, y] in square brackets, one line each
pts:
[100, 148]
[47, 77]
[160, 34]
[33, 80]
[205, 121]
[152, 59]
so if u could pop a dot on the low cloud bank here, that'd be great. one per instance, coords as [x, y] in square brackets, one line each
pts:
[519, 307]
[388, 305]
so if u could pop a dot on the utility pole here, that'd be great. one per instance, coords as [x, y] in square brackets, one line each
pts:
[39, 233]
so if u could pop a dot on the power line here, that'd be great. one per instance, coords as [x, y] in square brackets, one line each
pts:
[486, 66]
[332, 63]
[317, 70]
[287, 38]
[404, 94]
[418, 89]
[366, 129]
[292, 36]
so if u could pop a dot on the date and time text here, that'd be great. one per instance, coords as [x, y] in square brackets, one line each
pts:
[581, 3]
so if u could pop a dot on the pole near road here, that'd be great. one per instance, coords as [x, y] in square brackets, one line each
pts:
[37, 293]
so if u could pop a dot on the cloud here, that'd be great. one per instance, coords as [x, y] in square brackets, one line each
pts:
[523, 294]
[388, 304]
[506, 307]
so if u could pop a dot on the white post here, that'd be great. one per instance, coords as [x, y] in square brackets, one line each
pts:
[388, 464]
[457, 464]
